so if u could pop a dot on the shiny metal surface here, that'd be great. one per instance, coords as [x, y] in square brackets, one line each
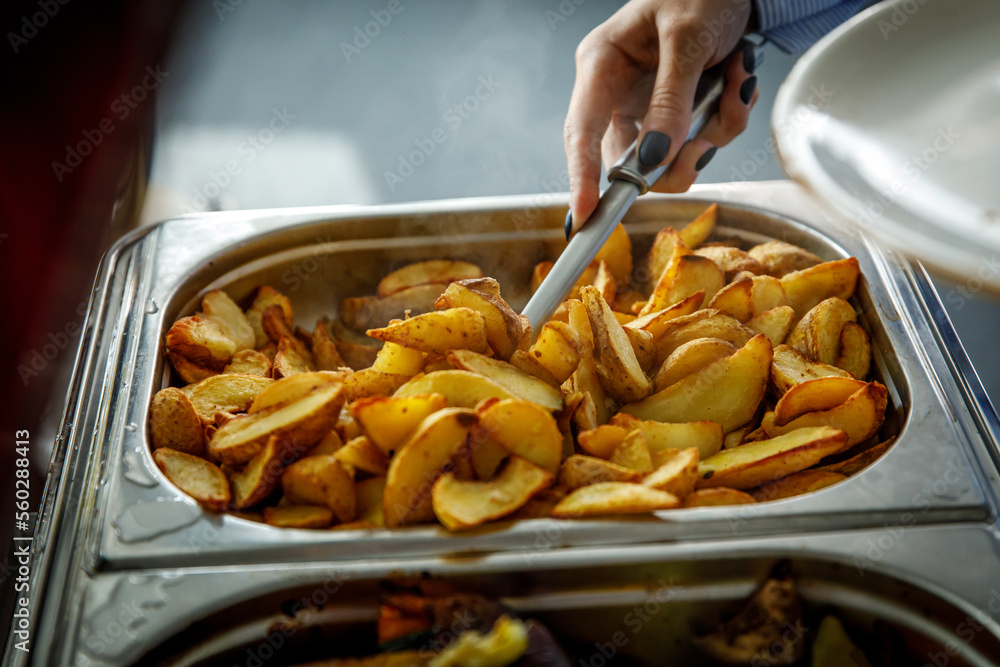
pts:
[221, 616]
[115, 524]
[580, 251]
[891, 120]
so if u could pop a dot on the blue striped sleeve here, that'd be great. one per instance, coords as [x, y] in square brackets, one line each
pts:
[795, 26]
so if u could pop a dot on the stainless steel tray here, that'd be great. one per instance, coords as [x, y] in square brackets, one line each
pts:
[109, 513]
[642, 602]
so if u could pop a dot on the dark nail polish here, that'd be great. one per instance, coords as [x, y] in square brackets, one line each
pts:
[654, 148]
[705, 158]
[569, 223]
[749, 58]
[746, 90]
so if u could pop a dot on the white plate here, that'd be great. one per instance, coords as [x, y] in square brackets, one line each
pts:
[893, 120]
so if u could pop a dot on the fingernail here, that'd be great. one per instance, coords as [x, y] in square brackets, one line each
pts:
[569, 223]
[746, 90]
[654, 148]
[705, 158]
[749, 58]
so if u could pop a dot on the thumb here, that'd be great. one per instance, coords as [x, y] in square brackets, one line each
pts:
[668, 116]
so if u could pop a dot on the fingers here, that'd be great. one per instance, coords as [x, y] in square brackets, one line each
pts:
[590, 112]
[669, 115]
[691, 159]
[737, 100]
[622, 132]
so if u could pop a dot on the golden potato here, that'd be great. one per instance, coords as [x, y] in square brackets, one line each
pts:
[677, 475]
[503, 326]
[174, 422]
[580, 470]
[515, 381]
[438, 332]
[619, 372]
[299, 424]
[855, 354]
[778, 258]
[611, 498]
[716, 497]
[435, 271]
[525, 429]
[200, 479]
[727, 391]
[259, 478]
[756, 463]
[321, 480]
[420, 461]
[705, 436]
[389, 420]
[465, 504]
[806, 288]
[230, 393]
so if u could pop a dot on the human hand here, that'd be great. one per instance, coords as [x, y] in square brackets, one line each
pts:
[644, 64]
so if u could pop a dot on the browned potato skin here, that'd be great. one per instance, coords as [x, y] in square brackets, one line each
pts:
[200, 479]
[321, 480]
[174, 423]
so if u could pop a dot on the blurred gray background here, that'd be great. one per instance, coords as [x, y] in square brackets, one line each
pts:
[308, 103]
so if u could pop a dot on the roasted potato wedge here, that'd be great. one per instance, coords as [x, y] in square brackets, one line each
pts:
[292, 389]
[618, 369]
[756, 463]
[612, 498]
[360, 454]
[816, 395]
[579, 470]
[686, 274]
[730, 260]
[817, 335]
[557, 349]
[633, 453]
[503, 326]
[370, 382]
[515, 381]
[324, 348]
[677, 475]
[461, 505]
[174, 422]
[323, 481]
[249, 362]
[259, 478]
[860, 416]
[698, 230]
[717, 496]
[855, 354]
[705, 436]
[808, 287]
[706, 323]
[790, 367]
[779, 258]
[603, 440]
[775, 323]
[438, 332]
[231, 393]
[368, 312]
[434, 271]
[690, 358]
[526, 430]
[859, 461]
[727, 391]
[299, 424]
[389, 420]
[419, 463]
[298, 516]
[200, 479]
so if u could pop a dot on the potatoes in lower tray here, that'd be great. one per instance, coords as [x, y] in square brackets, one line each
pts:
[731, 375]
